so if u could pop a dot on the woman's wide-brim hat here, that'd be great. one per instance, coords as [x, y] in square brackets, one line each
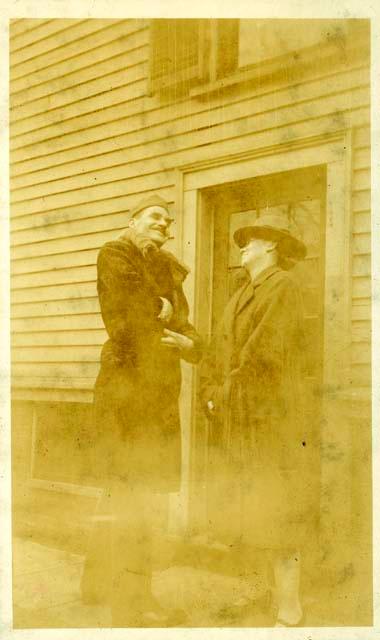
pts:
[273, 227]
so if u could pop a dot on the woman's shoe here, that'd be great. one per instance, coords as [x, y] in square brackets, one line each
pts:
[282, 623]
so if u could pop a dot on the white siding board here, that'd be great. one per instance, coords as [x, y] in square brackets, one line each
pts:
[57, 323]
[361, 243]
[361, 353]
[362, 179]
[71, 275]
[362, 158]
[47, 263]
[362, 137]
[56, 308]
[361, 265]
[361, 331]
[56, 354]
[67, 370]
[42, 382]
[361, 287]
[56, 292]
[361, 200]
[87, 337]
[362, 222]
[361, 311]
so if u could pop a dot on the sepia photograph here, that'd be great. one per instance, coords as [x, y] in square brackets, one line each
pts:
[190, 322]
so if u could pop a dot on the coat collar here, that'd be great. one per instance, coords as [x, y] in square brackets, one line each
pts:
[248, 291]
[178, 270]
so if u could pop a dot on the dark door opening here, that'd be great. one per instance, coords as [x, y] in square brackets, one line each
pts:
[300, 195]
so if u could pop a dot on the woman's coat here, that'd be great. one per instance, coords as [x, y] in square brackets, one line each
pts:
[255, 375]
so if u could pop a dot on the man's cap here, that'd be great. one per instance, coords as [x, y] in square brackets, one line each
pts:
[273, 227]
[151, 201]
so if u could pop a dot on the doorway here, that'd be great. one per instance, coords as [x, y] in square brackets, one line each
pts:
[300, 195]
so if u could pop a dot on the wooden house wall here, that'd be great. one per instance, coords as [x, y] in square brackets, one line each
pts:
[87, 140]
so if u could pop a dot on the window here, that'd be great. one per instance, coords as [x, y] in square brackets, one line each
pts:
[176, 56]
[186, 52]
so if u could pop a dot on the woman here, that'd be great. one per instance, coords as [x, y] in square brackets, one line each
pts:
[253, 392]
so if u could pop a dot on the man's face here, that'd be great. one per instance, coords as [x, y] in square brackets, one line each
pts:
[153, 222]
[254, 250]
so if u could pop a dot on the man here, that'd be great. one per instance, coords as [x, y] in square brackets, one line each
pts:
[252, 391]
[138, 436]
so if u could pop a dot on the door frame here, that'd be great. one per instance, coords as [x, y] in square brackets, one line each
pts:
[195, 228]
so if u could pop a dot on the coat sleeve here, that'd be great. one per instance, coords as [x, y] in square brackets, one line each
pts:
[182, 325]
[279, 331]
[129, 317]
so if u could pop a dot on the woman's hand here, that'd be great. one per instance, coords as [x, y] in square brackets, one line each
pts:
[174, 340]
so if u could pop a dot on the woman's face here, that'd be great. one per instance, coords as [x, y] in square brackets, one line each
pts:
[254, 251]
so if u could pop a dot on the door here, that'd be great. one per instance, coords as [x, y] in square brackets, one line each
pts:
[299, 195]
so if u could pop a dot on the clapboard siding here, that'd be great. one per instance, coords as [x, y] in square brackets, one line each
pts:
[45, 49]
[87, 140]
[135, 182]
[60, 245]
[113, 56]
[361, 250]
[85, 211]
[143, 152]
[135, 71]
[64, 59]
[117, 121]
[40, 32]
[21, 25]
[93, 193]
[147, 143]
[74, 228]
[116, 72]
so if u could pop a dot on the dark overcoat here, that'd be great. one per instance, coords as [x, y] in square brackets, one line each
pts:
[255, 375]
[138, 435]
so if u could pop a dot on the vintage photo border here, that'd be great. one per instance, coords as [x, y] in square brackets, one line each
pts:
[167, 9]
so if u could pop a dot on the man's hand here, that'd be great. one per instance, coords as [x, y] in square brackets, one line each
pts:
[166, 312]
[211, 407]
[175, 340]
